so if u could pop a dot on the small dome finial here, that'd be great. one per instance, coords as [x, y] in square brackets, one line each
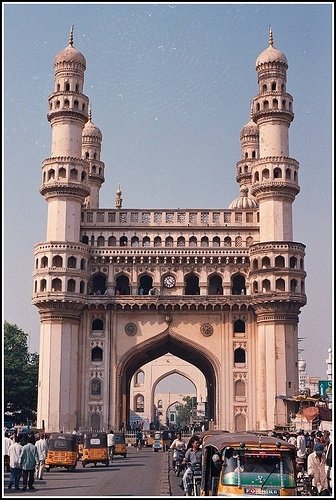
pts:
[90, 114]
[270, 37]
[118, 198]
[71, 36]
[251, 114]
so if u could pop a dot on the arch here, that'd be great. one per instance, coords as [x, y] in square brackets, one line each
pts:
[85, 239]
[215, 285]
[279, 261]
[277, 173]
[135, 241]
[100, 241]
[191, 281]
[95, 421]
[265, 174]
[193, 241]
[238, 284]
[293, 262]
[139, 403]
[71, 286]
[238, 241]
[72, 262]
[293, 285]
[51, 174]
[239, 389]
[146, 241]
[97, 354]
[139, 378]
[239, 326]
[255, 264]
[62, 173]
[266, 285]
[56, 285]
[44, 261]
[280, 284]
[216, 241]
[57, 261]
[123, 242]
[265, 262]
[256, 177]
[112, 241]
[99, 284]
[82, 287]
[255, 286]
[145, 284]
[73, 174]
[83, 264]
[181, 241]
[122, 285]
[43, 285]
[205, 242]
[169, 241]
[156, 347]
[97, 325]
[227, 241]
[274, 86]
[157, 241]
[239, 356]
[96, 387]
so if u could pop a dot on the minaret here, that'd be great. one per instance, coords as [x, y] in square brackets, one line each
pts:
[91, 149]
[60, 278]
[277, 273]
[249, 141]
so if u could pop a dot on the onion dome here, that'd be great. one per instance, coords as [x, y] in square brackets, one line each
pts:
[90, 130]
[243, 201]
[271, 54]
[70, 54]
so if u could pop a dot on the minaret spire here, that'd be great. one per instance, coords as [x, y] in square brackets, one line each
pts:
[90, 114]
[71, 36]
[270, 37]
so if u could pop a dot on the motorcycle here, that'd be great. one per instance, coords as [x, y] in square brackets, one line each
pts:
[195, 483]
[178, 464]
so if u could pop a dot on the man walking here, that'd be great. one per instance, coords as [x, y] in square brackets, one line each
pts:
[42, 450]
[111, 444]
[28, 460]
[15, 469]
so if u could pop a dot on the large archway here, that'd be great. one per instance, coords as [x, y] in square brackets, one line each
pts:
[151, 349]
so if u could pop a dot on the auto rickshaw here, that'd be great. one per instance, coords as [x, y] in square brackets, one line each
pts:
[95, 448]
[62, 451]
[245, 464]
[157, 441]
[120, 444]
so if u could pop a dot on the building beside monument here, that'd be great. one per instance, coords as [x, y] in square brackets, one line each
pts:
[118, 288]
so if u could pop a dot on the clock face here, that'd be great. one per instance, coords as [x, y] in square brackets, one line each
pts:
[169, 281]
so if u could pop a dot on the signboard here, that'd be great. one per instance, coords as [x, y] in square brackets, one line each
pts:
[325, 387]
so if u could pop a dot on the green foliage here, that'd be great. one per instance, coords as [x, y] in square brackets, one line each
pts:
[20, 375]
[185, 413]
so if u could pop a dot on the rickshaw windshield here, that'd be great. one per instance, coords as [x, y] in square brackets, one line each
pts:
[259, 463]
[62, 444]
[119, 439]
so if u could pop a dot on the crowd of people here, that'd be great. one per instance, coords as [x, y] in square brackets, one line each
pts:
[24, 456]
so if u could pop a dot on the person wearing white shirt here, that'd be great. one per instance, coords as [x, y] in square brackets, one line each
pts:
[15, 468]
[6, 445]
[42, 450]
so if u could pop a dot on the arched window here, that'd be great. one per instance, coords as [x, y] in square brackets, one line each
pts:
[73, 174]
[97, 354]
[43, 285]
[266, 286]
[146, 241]
[255, 264]
[205, 242]
[66, 104]
[82, 287]
[215, 286]
[139, 378]
[169, 241]
[157, 241]
[238, 285]
[139, 403]
[67, 86]
[265, 262]
[62, 173]
[280, 285]
[279, 261]
[288, 173]
[160, 403]
[82, 264]
[97, 325]
[265, 105]
[123, 241]
[216, 241]
[85, 239]
[191, 284]
[240, 389]
[265, 174]
[239, 326]
[227, 241]
[238, 241]
[100, 241]
[277, 173]
[255, 287]
[275, 104]
[56, 285]
[180, 241]
[57, 261]
[99, 284]
[112, 242]
[71, 286]
[264, 88]
[51, 174]
[134, 241]
[239, 355]
[294, 286]
[293, 262]
[145, 284]
[256, 177]
[193, 241]
[96, 387]
[44, 262]
[72, 262]
[122, 285]
[76, 104]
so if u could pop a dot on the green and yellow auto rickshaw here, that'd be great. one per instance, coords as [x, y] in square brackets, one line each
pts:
[247, 464]
[120, 444]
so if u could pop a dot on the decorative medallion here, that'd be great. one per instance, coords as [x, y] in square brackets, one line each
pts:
[130, 329]
[206, 330]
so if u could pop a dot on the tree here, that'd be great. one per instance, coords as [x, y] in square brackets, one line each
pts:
[185, 413]
[20, 375]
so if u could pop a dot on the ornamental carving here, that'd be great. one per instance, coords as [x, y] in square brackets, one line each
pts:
[130, 329]
[207, 329]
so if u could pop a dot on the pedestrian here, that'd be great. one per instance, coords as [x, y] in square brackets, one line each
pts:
[138, 439]
[192, 458]
[42, 450]
[7, 444]
[178, 445]
[317, 470]
[28, 460]
[301, 449]
[15, 468]
[111, 444]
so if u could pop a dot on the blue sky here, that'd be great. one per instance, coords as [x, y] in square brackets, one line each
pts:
[170, 85]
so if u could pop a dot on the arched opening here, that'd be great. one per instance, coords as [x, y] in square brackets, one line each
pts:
[122, 285]
[97, 354]
[238, 285]
[97, 325]
[215, 286]
[239, 356]
[239, 326]
[155, 348]
[96, 387]
[191, 284]
[99, 284]
[145, 284]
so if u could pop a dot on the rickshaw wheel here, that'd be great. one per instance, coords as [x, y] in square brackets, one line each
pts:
[107, 463]
[83, 464]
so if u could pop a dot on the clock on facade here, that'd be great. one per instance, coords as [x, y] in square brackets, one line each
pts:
[169, 281]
